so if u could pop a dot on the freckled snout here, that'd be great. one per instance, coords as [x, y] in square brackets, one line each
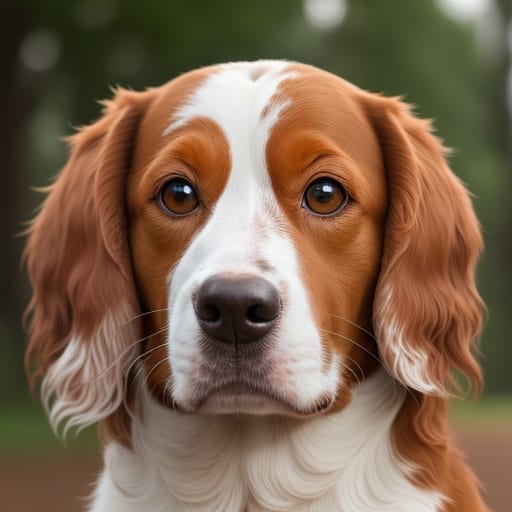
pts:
[237, 310]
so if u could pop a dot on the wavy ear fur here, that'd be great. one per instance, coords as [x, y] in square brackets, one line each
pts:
[427, 311]
[81, 337]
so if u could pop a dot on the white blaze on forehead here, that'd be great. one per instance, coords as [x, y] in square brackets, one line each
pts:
[232, 95]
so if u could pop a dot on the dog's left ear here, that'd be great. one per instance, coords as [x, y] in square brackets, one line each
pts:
[78, 261]
[427, 311]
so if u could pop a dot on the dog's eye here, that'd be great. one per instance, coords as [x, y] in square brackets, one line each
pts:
[177, 197]
[325, 196]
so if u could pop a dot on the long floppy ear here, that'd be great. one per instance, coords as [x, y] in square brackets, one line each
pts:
[81, 337]
[427, 311]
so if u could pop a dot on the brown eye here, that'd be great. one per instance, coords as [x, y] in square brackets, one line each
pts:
[178, 197]
[325, 196]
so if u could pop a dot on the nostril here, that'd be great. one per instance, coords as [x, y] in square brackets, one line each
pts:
[209, 313]
[254, 314]
[263, 313]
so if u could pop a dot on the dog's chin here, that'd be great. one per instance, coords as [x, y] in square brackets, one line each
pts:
[237, 401]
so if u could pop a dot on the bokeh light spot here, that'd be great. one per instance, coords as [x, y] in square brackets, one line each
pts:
[40, 50]
[325, 14]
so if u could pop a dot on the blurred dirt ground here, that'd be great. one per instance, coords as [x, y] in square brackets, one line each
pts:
[59, 484]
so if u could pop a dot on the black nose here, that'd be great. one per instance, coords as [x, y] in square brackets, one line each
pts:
[237, 309]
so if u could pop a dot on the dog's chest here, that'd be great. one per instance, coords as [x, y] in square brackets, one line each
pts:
[342, 462]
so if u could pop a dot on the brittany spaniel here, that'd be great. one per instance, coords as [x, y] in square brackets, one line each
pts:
[259, 279]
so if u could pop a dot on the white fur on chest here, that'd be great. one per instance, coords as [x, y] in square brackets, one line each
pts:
[339, 462]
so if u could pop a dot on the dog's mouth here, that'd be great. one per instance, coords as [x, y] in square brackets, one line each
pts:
[237, 398]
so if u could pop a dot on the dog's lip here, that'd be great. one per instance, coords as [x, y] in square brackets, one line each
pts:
[244, 398]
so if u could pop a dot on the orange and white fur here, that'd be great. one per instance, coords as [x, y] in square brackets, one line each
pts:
[258, 279]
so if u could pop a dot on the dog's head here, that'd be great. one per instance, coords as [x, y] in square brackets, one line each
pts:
[251, 238]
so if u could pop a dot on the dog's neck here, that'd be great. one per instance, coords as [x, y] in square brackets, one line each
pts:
[343, 461]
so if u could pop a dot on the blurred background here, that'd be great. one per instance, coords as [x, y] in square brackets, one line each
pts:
[450, 58]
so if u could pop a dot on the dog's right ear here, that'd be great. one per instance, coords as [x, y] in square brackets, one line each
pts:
[428, 313]
[81, 336]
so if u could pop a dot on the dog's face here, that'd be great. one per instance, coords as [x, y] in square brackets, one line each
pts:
[256, 227]
[277, 232]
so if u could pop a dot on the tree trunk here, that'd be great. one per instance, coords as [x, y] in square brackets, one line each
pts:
[16, 102]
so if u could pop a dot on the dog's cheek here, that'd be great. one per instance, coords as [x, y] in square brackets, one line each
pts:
[339, 282]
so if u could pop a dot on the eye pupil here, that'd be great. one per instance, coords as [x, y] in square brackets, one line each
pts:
[180, 191]
[177, 197]
[325, 197]
[323, 192]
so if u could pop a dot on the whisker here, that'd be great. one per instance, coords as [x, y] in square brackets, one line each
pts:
[355, 363]
[145, 313]
[355, 325]
[135, 374]
[351, 370]
[146, 378]
[386, 369]
[120, 356]
[355, 343]
[140, 356]
[140, 340]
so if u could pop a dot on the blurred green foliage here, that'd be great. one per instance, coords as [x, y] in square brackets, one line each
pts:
[398, 47]
[24, 431]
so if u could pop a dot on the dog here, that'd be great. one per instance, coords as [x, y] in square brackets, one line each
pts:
[258, 279]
